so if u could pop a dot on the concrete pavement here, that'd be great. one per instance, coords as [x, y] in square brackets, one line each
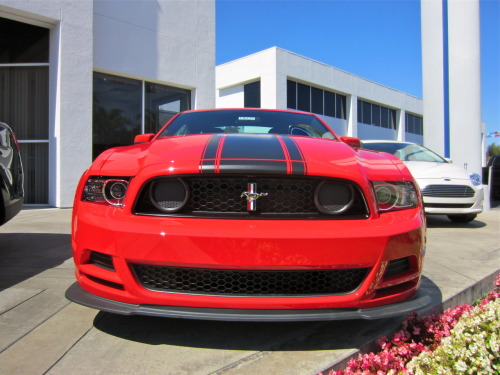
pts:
[43, 333]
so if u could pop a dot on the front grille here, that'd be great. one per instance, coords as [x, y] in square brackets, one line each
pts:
[448, 205]
[448, 191]
[222, 196]
[249, 283]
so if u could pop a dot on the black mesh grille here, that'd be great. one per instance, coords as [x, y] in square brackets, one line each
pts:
[222, 196]
[448, 191]
[249, 283]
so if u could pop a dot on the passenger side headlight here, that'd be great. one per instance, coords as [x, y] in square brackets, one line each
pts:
[105, 190]
[475, 179]
[395, 195]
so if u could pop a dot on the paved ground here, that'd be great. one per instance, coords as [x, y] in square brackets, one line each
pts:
[43, 333]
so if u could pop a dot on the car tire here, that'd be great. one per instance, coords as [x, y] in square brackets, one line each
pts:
[465, 218]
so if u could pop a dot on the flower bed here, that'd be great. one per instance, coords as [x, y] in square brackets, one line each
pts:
[462, 340]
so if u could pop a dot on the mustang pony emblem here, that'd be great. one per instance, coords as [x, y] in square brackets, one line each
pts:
[251, 195]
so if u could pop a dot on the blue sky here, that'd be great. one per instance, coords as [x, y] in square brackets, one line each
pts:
[375, 39]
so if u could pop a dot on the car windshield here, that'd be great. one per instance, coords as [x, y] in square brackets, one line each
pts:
[405, 151]
[247, 122]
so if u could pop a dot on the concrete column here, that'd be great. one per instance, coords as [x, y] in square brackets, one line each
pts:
[352, 115]
[465, 84]
[401, 124]
[71, 65]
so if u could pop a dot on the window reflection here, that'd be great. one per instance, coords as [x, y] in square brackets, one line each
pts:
[118, 109]
[163, 103]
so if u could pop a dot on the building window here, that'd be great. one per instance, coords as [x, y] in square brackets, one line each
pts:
[161, 104]
[23, 43]
[414, 124]
[124, 108]
[311, 99]
[24, 100]
[252, 95]
[303, 97]
[377, 115]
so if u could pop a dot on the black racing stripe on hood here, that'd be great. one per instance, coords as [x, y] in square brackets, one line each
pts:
[252, 147]
[246, 153]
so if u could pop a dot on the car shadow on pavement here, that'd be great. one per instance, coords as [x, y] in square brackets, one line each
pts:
[24, 255]
[441, 221]
[254, 336]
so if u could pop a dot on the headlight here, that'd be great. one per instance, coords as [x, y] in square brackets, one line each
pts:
[475, 179]
[395, 195]
[110, 190]
[169, 195]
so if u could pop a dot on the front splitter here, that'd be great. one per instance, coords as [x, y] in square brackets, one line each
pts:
[76, 294]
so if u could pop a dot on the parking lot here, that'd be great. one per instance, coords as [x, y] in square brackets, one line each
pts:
[43, 333]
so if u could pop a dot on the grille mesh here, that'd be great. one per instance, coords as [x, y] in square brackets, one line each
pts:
[249, 283]
[222, 196]
[448, 191]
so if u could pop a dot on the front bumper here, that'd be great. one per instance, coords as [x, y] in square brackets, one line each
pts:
[76, 294]
[453, 206]
[247, 245]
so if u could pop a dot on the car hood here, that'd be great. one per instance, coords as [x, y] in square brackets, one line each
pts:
[244, 153]
[434, 170]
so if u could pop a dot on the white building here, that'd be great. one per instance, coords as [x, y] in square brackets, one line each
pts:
[353, 106]
[77, 77]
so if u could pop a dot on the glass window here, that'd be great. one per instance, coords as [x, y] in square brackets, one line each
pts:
[384, 117]
[367, 113]
[23, 43]
[163, 103]
[329, 104]
[252, 95]
[24, 101]
[291, 94]
[303, 97]
[117, 111]
[247, 121]
[360, 111]
[375, 115]
[317, 100]
[414, 124]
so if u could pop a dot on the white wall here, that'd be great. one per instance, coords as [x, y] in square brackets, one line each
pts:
[165, 41]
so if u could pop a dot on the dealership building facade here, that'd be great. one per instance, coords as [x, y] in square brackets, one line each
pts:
[79, 77]
[351, 105]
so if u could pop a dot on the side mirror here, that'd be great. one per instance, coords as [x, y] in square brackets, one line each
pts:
[143, 138]
[351, 141]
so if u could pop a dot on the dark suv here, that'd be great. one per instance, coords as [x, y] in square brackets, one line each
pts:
[494, 164]
[11, 175]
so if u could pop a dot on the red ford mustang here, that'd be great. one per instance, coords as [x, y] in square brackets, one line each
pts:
[245, 214]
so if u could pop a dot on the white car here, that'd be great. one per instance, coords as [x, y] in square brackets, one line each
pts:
[446, 188]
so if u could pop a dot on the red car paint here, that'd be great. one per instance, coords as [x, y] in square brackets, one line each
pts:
[246, 242]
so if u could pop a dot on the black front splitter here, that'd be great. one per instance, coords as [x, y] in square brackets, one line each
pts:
[76, 294]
